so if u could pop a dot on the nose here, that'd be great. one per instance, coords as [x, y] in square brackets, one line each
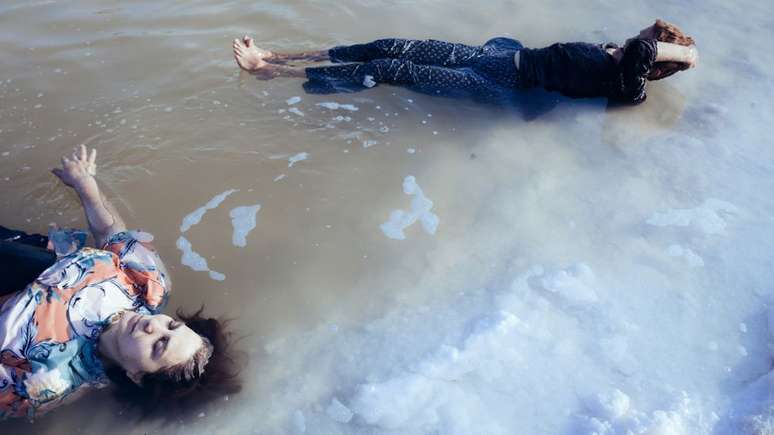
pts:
[148, 326]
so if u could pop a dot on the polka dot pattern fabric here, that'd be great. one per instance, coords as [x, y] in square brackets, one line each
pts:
[486, 73]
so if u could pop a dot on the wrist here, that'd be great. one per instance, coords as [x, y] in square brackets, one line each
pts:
[87, 187]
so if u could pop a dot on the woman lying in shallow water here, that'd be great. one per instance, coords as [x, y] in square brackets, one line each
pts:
[490, 72]
[92, 317]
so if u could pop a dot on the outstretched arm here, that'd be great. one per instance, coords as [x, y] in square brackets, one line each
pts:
[78, 172]
[668, 52]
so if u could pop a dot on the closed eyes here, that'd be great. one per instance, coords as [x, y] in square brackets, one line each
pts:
[159, 346]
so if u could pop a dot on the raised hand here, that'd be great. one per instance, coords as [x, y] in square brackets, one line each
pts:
[78, 169]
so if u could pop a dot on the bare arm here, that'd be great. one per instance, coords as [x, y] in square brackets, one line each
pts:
[103, 218]
[78, 173]
[668, 52]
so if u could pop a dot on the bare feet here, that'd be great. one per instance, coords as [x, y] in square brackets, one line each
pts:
[249, 56]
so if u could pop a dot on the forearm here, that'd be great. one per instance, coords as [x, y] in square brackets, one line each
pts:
[668, 52]
[102, 217]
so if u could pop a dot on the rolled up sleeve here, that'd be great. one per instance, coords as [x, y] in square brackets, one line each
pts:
[142, 266]
[638, 59]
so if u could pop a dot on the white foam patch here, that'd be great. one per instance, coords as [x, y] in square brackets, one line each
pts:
[299, 421]
[332, 105]
[368, 81]
[196, 216]
[243, 221]
[420, 210]
[338, 412]
[611, 413]
[292, 160]
[693, 259]
[752, 409]
[195, 261]
[709, 217]
[575, 284]
[279, 177]
[296, 111]
[293, 100]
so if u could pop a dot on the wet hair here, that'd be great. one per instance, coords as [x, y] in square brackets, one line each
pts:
[212, 373]
[668, 32]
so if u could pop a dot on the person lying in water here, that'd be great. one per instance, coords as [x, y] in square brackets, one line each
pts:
[490, 72]
[92, 317]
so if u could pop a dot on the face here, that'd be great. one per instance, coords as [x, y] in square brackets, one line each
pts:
[146, 344]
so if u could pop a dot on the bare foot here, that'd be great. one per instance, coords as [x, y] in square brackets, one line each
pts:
[248, 56]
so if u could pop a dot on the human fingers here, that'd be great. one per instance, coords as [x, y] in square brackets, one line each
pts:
[93, 157]
[65, 161]
[84, 153]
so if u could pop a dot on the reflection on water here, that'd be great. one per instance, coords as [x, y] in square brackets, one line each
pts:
[571, 278]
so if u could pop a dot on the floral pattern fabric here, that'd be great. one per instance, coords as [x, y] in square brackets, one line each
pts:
[49, 331]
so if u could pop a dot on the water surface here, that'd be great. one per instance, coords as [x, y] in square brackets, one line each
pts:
[579, 254]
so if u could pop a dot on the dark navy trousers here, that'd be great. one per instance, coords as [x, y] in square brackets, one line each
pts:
[486, 73]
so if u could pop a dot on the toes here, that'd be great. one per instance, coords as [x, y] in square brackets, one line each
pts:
[249, 42]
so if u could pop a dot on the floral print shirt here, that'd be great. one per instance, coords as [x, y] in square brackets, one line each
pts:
[49, 331]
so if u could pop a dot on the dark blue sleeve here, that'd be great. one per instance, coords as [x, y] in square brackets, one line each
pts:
[638, 59]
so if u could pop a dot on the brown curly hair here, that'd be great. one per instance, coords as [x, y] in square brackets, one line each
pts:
[212, 373]
[668, 32]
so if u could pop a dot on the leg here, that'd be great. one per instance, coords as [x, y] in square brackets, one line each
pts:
[304, 56]
[22, 258]
[251, 58]
[429, 52]
[9, 235]
[428, 79]
[269, 71]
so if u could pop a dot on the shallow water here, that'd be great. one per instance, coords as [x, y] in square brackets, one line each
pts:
[592, 269]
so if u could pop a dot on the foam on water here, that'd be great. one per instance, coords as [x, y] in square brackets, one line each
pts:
[243, 221]
[420, 210]
[195, 217]
[292, 160]
[709, 218]
[195, 261]
[332, 105]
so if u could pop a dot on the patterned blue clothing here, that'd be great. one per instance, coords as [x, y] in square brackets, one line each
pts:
[49, 331]
[485, 73]
[489, 72]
